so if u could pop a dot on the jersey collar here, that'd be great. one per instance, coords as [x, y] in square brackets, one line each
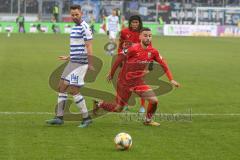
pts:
[79, 23]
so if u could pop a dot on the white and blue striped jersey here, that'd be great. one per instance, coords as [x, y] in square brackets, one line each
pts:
[112, 23]
[78, 51]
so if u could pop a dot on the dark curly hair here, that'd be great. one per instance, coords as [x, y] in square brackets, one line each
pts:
[138, 18]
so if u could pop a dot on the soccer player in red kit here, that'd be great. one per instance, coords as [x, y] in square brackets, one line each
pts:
[128, 37]
[131, 76]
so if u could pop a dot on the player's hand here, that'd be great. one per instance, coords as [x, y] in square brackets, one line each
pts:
[64, 58]
[109, 78]
[150, 66]
[91, 68]
[175, 83]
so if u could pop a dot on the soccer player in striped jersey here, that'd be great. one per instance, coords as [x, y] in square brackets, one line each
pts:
[79, 62]
[112, 27]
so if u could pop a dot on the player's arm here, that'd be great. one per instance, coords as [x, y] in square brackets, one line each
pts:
[88, 43]
[163, 63]
[120, 43]
[120, 59]
[124, 44]
[90, 54]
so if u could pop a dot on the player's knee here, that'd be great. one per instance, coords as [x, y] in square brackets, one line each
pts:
[153, 101]
[62, 86]
[73, 90]
[61, 89]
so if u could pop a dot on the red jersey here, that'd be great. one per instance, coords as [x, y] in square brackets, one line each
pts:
[136, 62]
[127, 38]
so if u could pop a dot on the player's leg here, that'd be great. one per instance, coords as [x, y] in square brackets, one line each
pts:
[81, 104]
[62, 95]
[61, 102]
[151, 109]
[112, 37]
[116, 106]
[142, 106]
[72, 78]
[76, 82]
[122, 97]
[146, 93]
[107, 106]
[22, 28]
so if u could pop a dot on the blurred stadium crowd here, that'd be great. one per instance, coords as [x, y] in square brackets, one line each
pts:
[171, 11]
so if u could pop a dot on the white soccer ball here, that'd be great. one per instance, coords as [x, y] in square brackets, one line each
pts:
[109, 53]
[123, 141]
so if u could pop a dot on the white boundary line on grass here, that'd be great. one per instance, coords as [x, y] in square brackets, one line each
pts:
[25, 113]
[127, 113]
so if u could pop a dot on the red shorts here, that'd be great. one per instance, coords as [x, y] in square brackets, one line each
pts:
[124, 92]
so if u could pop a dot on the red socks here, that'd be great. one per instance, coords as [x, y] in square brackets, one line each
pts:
[143, 102]
[152, 107]
[108, 106]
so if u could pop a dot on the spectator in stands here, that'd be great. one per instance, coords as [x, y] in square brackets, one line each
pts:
[161, 25]
[20, 21]
[56, 12]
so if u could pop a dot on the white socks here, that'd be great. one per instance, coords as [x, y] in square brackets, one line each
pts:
[62, 97]
[80, 102]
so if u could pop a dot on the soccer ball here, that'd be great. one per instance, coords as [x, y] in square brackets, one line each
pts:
[110, 48]
[123, 141]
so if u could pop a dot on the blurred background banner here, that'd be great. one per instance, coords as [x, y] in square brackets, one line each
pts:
[164, 17]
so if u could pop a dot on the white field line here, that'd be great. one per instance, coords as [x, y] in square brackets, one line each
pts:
[25, 113]
[128, 113]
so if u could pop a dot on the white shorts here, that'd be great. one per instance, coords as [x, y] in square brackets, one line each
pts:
[112, 35]
[74, 73]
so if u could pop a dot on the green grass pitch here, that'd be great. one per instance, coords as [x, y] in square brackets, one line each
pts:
[207, 68]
